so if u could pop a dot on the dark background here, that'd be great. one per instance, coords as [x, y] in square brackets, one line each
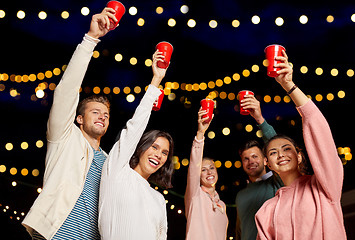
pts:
[201, 54]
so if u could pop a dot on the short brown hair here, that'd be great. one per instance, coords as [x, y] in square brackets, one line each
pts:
[249, 144]
[163, 176]
[80, 110]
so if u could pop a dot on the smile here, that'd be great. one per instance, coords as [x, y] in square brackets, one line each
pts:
[153, 162]
[283, 162]
[99, 124]
[210, 178]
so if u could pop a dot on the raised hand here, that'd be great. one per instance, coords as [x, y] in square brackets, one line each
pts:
[253, 105]
[202, 124]
[100, 23]
[158, 73]
[285, 73]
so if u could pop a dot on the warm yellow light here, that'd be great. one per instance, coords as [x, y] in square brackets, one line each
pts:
[303, 19]
[227, 80]
[191, 23]
[116, 90]
[223, 95]
[255, 68]
[13, 93]
[127, 90]
[2, 168]
[171, 22]
[228, 164]
[65, 15]
[341, 94]
[95, 54]
[40, 76]
[267, 98]
[185, 162]
[211, 135]
[42, 15]
[133, 61]
[133, 10]
[279, 21]
[14, 183]
[255, 19]
[246, 73]
[330, 19]
[265, 63]
[236, 76]
[203, 86]
[96, 90]
[13, 171]
[259, 134]
[56, 71]
[130, 98]
[213, 24]
[39, 190]
[211, 84]
[231, 96]
[159, 10]
[24, 172]
[107, 90]
[48, 74]
[237, 164]
[165, 192]
[118, 57]
[350, 73]
[304, 69]
[277, 99]
[218, 164]
[353, 17]
[235, 23]
[172, 206]
[177, 165]
[319, 97]
[248, 128]
[21, 14]
[2, 14]
[334, 72]
[184, 9]
[24, 145]
[219, 83]
[319, 71]
[226, 131]
[140, 22]
[85, 11]
[287, 99]
[148, 62]
[195, 86]
[330, 96]
[179, 211]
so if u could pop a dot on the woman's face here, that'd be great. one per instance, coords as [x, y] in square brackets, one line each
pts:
[209, 174]
[282, 156]
[153, 158]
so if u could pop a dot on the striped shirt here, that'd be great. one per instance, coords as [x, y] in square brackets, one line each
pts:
[82, 220]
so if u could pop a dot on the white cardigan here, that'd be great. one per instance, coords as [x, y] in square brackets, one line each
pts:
[128, 207]
[69, 154]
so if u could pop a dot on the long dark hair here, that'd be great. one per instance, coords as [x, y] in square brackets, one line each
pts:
[304, 167]
[163, 176]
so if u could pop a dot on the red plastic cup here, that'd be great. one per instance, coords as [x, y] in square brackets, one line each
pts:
[158, 101]
[167, 49]
[120, 10]
[271, 52]
[241, 97]
[207, 105]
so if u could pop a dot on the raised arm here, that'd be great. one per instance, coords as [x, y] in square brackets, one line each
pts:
[194, 172]
[317, 135]
[66, 94]
[124, 148]
[253, 105]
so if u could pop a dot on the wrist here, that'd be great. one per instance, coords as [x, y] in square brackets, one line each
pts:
[93, 35]
[156, 81]
[259, 120]
[288, 86]
[200, 134]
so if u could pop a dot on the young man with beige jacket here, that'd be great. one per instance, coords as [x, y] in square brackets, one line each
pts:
[67, 205]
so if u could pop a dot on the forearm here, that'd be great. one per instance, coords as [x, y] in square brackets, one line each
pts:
[268, 130]
[297, 96]
[194, 172]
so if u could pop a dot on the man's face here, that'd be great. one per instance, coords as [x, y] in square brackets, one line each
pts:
[253, 163]
[95, 120]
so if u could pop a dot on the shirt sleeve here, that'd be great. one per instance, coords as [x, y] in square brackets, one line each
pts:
[322, 152]
[194, 172]
[66, 95]
[124, 148]
[268, 131]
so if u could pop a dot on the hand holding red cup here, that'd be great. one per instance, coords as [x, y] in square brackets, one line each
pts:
[207, 105]
[242, 95]
[271, 52]
[158, 101]
[119, 11]
[166, 49]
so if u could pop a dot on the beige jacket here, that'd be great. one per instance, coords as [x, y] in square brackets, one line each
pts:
[69, 155]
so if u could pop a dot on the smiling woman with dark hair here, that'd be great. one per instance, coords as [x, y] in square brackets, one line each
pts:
[129, 208]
